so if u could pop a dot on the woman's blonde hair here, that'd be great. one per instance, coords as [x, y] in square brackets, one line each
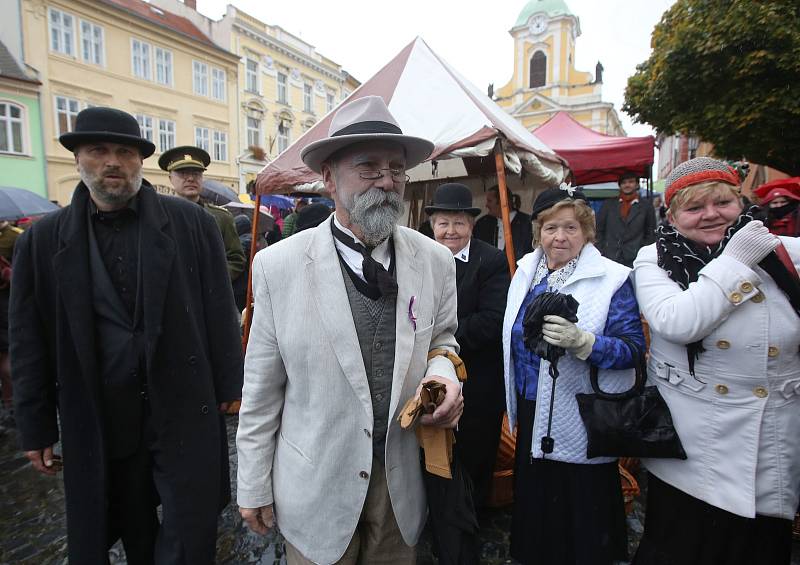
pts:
[583, 213]
[700, 191]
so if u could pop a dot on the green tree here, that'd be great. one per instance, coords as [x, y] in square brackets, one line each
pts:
[727, 71]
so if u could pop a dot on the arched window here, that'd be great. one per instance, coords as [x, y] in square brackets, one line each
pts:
[538, 70]
[11, 128]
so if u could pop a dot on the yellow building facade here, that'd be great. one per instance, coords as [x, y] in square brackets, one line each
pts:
[137, 57]
[285, 86]
[545, 80]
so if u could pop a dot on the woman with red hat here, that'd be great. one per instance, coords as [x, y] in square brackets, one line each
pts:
[781, 198]
[722, 297]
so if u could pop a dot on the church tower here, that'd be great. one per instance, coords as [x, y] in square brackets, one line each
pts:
[545, 80]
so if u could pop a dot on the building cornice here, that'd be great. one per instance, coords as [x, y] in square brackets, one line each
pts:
[290, 52]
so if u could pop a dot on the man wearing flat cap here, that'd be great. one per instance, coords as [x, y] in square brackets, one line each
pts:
[482, 281]
[333, 357]
[125, 346]
[186, 165]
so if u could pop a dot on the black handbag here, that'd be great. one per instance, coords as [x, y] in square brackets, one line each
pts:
[635, 423]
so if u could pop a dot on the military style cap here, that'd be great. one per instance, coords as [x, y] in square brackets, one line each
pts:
[184, 157]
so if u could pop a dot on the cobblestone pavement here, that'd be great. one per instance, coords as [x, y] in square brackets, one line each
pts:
[34, 526]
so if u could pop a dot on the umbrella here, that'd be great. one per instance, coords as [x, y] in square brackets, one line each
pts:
[278, 201]
[217, 193]
[266, 221]
[16, 203]
[547, 303]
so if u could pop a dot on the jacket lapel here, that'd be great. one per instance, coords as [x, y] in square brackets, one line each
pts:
[634, 211]
[156, 254]
[71, 268]
[409, 285]
[326, 281]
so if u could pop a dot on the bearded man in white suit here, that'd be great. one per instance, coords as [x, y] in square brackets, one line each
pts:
[335, 354]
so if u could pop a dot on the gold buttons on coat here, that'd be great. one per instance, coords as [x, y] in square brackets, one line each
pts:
[760, 392]
[736, 297]
[773, 351]
[721, 389]
[746, 287]
[758, 298]
[724, 344]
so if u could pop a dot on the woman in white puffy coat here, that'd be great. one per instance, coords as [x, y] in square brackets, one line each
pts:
[722, 298]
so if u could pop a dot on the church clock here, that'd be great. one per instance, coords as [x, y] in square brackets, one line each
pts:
[538, 24]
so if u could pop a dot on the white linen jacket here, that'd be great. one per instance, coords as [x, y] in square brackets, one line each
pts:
[305, 424]
[739, 420]
[593, 283]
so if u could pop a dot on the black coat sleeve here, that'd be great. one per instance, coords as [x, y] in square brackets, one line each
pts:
[600, 226]
[649, 224]
[485, 325]
[222, 327]
[32, 374]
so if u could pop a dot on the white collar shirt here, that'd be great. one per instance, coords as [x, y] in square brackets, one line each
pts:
[353, 259]
[501, 234]
[463, 255]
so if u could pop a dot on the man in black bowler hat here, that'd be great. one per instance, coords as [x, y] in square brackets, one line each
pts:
[482, 281]
[125, 347]
[186, 165]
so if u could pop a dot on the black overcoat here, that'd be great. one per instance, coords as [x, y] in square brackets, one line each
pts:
[620, 239]
[482, 286]
[193, 360]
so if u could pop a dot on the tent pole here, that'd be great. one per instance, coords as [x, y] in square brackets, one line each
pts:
[502, 187]
[248, 311]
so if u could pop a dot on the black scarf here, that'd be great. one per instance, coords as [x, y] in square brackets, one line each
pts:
[683, 259]
[380, 281]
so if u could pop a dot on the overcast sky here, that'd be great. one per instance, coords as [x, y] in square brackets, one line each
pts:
[363, 35]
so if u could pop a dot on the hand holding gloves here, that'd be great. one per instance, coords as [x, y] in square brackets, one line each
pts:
[563, 333]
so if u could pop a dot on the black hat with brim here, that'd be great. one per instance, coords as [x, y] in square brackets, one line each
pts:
[452, 197]
[99, 124]
[553, 196]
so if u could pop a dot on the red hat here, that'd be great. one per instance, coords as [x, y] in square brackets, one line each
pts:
[790, 188]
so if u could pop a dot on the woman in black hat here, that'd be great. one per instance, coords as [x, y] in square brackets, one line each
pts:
[567, 509]
[482, 281]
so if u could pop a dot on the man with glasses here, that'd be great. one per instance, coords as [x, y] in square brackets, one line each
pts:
[334, 357]
[185, 166]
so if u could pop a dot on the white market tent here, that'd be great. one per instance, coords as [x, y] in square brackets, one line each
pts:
[430, 99]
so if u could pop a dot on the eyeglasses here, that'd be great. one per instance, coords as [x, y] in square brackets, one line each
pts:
[189, 173]
[398, 175]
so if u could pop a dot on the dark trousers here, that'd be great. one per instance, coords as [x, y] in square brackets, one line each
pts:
[477, 440]
[137, 485]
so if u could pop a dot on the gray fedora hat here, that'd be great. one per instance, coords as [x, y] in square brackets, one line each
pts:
[365, 119]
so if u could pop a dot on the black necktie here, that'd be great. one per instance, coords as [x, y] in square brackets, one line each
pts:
[376, 274]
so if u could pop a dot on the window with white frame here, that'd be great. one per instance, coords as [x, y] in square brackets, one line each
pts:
[163, 66]
[62, 32]
[308, 98]
[11, 140]
[251, 75]
[200, 78]
[218, 84]
[140, 59]
[220, 146]
[146, 126]
[329, 102]
[66, 112]
[92, 43]
[253, 132]
[166, 134]
[284, 135]
[201, 138]
[282, 94]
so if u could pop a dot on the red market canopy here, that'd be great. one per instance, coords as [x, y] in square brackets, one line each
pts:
[595, 157]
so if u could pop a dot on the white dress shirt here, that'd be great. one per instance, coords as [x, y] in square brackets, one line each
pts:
[501, 234]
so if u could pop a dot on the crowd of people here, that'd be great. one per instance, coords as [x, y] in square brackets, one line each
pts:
[125, 349]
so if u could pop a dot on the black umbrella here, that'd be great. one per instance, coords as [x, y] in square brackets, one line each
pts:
[547, 304]
[217, 193]
[16, 203]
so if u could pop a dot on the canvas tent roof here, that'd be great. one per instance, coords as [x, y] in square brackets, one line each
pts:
[595, 157]
[429, 99]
